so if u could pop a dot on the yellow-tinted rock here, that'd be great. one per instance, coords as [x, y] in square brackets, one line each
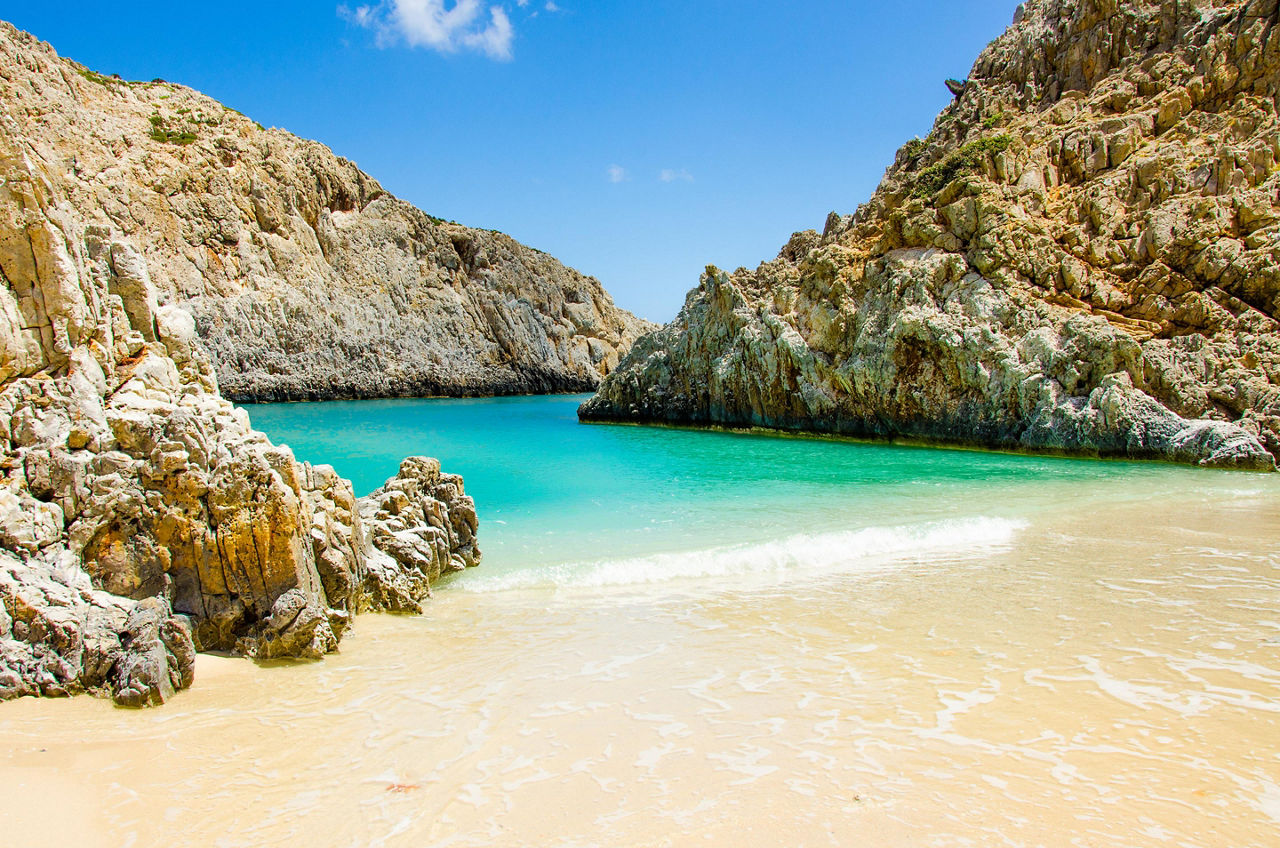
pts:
[1081, 257]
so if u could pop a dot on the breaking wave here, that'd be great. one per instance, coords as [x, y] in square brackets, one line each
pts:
[869, 549]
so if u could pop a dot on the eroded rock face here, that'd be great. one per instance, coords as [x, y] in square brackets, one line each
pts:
[144, 519]
[60, 635]
[421, 525]
[306, 278]
[1083, 256]
[141, 516]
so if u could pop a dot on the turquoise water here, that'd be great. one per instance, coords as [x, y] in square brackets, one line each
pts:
[563, 501]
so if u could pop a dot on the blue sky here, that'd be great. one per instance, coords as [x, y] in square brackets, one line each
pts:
[637, 142]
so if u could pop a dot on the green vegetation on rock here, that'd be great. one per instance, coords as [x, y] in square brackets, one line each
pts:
[100, 79]
[965, 160]
[914, 147]
[161, 133]
[110, 81]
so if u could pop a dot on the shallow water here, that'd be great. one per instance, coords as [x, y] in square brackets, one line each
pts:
[683, 637]
[553, 492]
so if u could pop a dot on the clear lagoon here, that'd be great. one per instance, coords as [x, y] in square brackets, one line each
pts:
[562, 502]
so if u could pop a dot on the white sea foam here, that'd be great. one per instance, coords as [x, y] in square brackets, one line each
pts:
[867, 549]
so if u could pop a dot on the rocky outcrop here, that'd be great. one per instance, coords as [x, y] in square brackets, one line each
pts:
[305, 277]
[421, 525]
[60, 635]
[1083, 256]
[141, 516]
[142, 519]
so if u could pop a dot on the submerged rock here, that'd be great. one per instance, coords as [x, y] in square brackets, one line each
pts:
[1083, 256]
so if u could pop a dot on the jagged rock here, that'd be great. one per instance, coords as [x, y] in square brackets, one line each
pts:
[60, 635]
[141, 516]
[297, 627]
[306, 279]
[338, 539]
[421, 525]
[957, 87]
[157, 658]
[1083, 256]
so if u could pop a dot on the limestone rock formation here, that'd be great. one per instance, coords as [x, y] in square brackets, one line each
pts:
[141, 519]
[141, 516]
[421, 525]
[1083, 256]
[305, 277]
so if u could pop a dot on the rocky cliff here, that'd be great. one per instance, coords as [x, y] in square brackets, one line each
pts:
[141, 517]
[1082, 256]
[305, 277]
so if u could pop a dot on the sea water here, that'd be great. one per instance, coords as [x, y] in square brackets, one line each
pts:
[683, 637]
[564, 504]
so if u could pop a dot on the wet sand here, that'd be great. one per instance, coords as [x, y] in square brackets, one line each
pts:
[1101, 678]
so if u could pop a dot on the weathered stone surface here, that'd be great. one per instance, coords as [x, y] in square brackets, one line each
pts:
[141, 516]
[60, 635]
[299, 625]
[1083, 256]
[175, 526]
[306, 278]
[421, 525]
[158, 656]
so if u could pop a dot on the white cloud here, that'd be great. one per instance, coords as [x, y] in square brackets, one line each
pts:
[552, 7]
[495, 39]
[437, 26]
[360, 16]
[616, 173]
[670, 175]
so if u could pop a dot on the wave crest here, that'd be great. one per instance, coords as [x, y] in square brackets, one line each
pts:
[868, 549]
